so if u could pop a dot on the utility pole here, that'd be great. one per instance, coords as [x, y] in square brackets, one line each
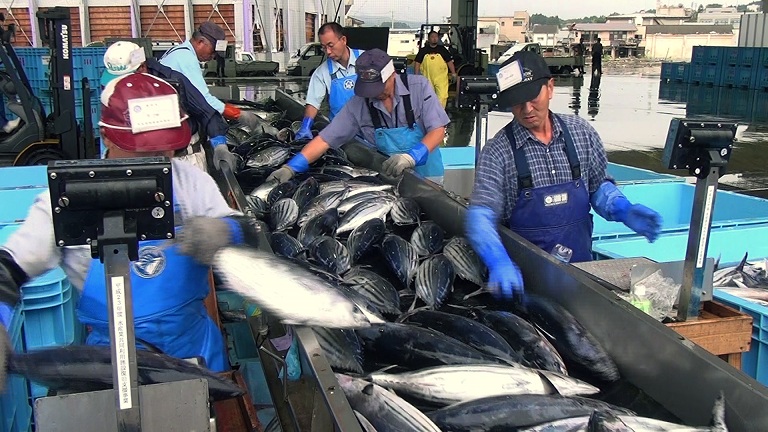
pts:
[427, 17]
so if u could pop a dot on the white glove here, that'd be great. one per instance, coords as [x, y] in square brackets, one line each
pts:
[396, 164]
[222, 153]
[201, 237]
[282, 174]
[249, 119]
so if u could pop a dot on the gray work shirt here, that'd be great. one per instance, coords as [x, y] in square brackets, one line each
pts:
[355, 118]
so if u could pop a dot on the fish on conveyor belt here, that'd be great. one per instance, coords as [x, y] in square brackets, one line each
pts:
[306, 191]
[257, 205]
[263, 190]
[354, 186]
[283, 190]
[466, 262]
[508, 412]
[364, 238]
[362, 213]
[434, 280]
[447, 385]
[364, 423]
[82, 368]
[324, 224]
[415, 347]
[378, 290]
[320, 204]
[467, 331]
[330, 255]
[352, 172]
[535, 350]
[405, 211]
[384, 410]
[401, 258]
[285, 245]
[283, 214]
[271, 157]
[293, 294]
[576, 345]
[353, 200]
[427, 238]
[341, 347]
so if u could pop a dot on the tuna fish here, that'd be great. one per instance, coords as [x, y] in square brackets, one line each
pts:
[385, 411]
[341, 347]
[401, 258]
[305, 192]
[376, 289]
[283, 214]
[427, 238]
[466, 262]
[291, 293]
[415, 347]
[363, 212]
[578, 347]
[446, 385]
[405, 211]
[534, 348]
[508, 412]
[329, 254]
[352, 172]
[270, 157]
[283, 190]
[320, 204]
[434, 280]
[364, 237]
[285, 245]
[263, 190]
[353, 200]
[467, 331]
[81, 368]
[259, 207]
[364, 423]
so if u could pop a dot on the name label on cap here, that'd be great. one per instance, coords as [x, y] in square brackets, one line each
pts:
[221, 45]
[510, 75]
[138, 57]
[154, 113]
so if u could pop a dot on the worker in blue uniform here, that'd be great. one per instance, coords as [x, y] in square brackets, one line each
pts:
[169, 280]
[123, 57]
[399, 113]
[208, 40]
[539, 175]
[335, 78]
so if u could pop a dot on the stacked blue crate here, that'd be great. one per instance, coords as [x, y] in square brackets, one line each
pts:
[14, 402]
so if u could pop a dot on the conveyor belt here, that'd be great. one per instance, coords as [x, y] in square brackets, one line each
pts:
[613, 272]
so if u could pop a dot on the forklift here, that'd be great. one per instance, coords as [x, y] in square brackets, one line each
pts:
[42, 137]
[461, 44]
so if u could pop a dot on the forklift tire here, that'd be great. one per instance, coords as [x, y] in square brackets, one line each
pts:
[38, 155]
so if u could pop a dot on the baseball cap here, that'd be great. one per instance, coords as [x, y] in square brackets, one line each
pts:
[121, 58]
[520, 78]
[215, 35]
[141, 113]
[373, 69]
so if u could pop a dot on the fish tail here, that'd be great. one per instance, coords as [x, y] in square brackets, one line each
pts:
[718, 414]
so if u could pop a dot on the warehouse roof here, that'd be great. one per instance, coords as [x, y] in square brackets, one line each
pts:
[605, 27]
[684, 29]
[546, 28]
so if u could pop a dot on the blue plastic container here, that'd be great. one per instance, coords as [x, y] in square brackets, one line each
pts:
[674, 201]
[730, 56]
[736, 102]
[493, 68]
[706, 74]
[762, 57]
[728, 243]
[23, 177]
[666, 70]
[748, 56]
[698, 54]
[16, 203]
[702, 99]
[737, 76]
[14, 403]
[49, 310]
[761, 77]
[624, 174]
[755, 361]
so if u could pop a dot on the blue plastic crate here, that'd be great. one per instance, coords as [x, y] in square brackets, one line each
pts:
[624, 174]
[759, 108]
[674, 91]
[728, 243]
[761, 77]
[730, 56]
[674, 201]
[49, 311]
[698, 54]
[493, 68]
[737, 76]
[755, 361]
[736, 102]
[666, 70]
[705, 74]
[702, 99]
[24, 177]
[16, 203]
[14, 403]
[748, 56]
[762, 57]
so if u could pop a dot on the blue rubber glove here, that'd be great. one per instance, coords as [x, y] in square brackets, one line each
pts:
[505, 279]
[419, 153]
[305, 131]
[299, 163]
[612, 205]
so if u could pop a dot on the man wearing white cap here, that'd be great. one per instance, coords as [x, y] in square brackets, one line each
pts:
[206, 41]
[124, 57]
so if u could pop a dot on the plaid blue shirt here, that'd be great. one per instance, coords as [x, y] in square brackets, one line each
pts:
[496, 174]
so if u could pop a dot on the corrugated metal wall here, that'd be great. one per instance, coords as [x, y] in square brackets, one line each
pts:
[23, 37]
[163, 24]
[753, 30]
[109, 21]
[225, 17]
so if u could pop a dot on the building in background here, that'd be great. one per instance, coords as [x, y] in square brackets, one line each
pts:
[545, 34]
[676, 42]
[618, 38]
[512, 29]
[720, 16]
[353, 22]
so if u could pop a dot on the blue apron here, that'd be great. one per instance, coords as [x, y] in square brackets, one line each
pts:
[342, 88]
[549, 215]
[401, 139]
[168, 291]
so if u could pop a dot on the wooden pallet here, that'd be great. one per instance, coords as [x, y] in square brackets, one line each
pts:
[721, 330]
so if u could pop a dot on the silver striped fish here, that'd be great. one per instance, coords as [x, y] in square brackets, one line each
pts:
[353, 200]
[284, 214]
[322, 224]
[364, 423]
[466, 262]
[305, 192]
[361, 213]
[363, 238]
[375, 288]
[330, 255]
[263, 190]
[405, 211]
[320, 204]
[446, 385]
[386, 411]
[285, 245]
[271, 157]
[427, 238]
[342, 348]
[401, 258]
[434, 280]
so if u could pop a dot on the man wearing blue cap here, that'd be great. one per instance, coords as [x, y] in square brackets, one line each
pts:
[539, 175]
[400, 114]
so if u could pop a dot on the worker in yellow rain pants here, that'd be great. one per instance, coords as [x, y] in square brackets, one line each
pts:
[434, 61]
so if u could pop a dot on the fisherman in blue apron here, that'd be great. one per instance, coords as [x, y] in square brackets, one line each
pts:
[400, 114]
[336, 78]
[539, 175]
[169, 280]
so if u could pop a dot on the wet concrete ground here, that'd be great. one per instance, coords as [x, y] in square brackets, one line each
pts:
[630, 111]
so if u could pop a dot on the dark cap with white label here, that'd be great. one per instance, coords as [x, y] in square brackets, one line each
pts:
[520, 78]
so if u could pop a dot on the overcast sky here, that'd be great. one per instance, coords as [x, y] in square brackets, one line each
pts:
[562, 8]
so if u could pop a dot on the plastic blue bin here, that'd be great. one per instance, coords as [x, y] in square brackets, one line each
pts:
[666, 70]
[14, 403]
[729, 243]
[730, 56]
[49, 310]
[748, 56]
[761, 77]
[762, 60]
[755, 361]
[674, 201]
[737, 76]
[624, 174]
[458, 157]
[24, 177]
[736, 102]
[706, 74]
[493, 68]
[16, 203]
[702, 99]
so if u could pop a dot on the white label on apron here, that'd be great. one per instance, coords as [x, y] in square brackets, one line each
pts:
[556, 199]
[705, 224]
[121, 342]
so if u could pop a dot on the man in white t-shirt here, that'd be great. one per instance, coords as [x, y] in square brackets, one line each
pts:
[170, 281]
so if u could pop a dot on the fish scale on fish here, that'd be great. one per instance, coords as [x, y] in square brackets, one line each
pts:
[283, 190]
[401, 258]
[305, 192]
[284, 214]
[361, 213]
[363, 238]
[434, 281]
[321, 204]
[352, 200]
[330, 254]
[285, 245]
[427, 238]
[405, 211]
[271, 157]
[324, 224]
[342, 348]
[377, 289]
[466, 262]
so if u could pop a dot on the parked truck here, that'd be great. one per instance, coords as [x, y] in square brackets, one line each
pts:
[241, 64]
[558, 64]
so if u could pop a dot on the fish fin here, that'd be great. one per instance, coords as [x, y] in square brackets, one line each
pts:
[368, 390]
[739, 283]
[377, 371]
[405, 316]
[551, 387]
[717, 262]
[740, 267]
[718, 414]
[413, 306]
[474, 293]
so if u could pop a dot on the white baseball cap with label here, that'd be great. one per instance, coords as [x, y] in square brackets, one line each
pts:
[122, 58]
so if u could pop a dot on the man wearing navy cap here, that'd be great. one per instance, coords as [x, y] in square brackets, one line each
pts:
[400, 114]
[539, 175]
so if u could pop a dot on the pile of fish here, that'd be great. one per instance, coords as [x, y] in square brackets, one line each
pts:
[746, 280]
[399, 307]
